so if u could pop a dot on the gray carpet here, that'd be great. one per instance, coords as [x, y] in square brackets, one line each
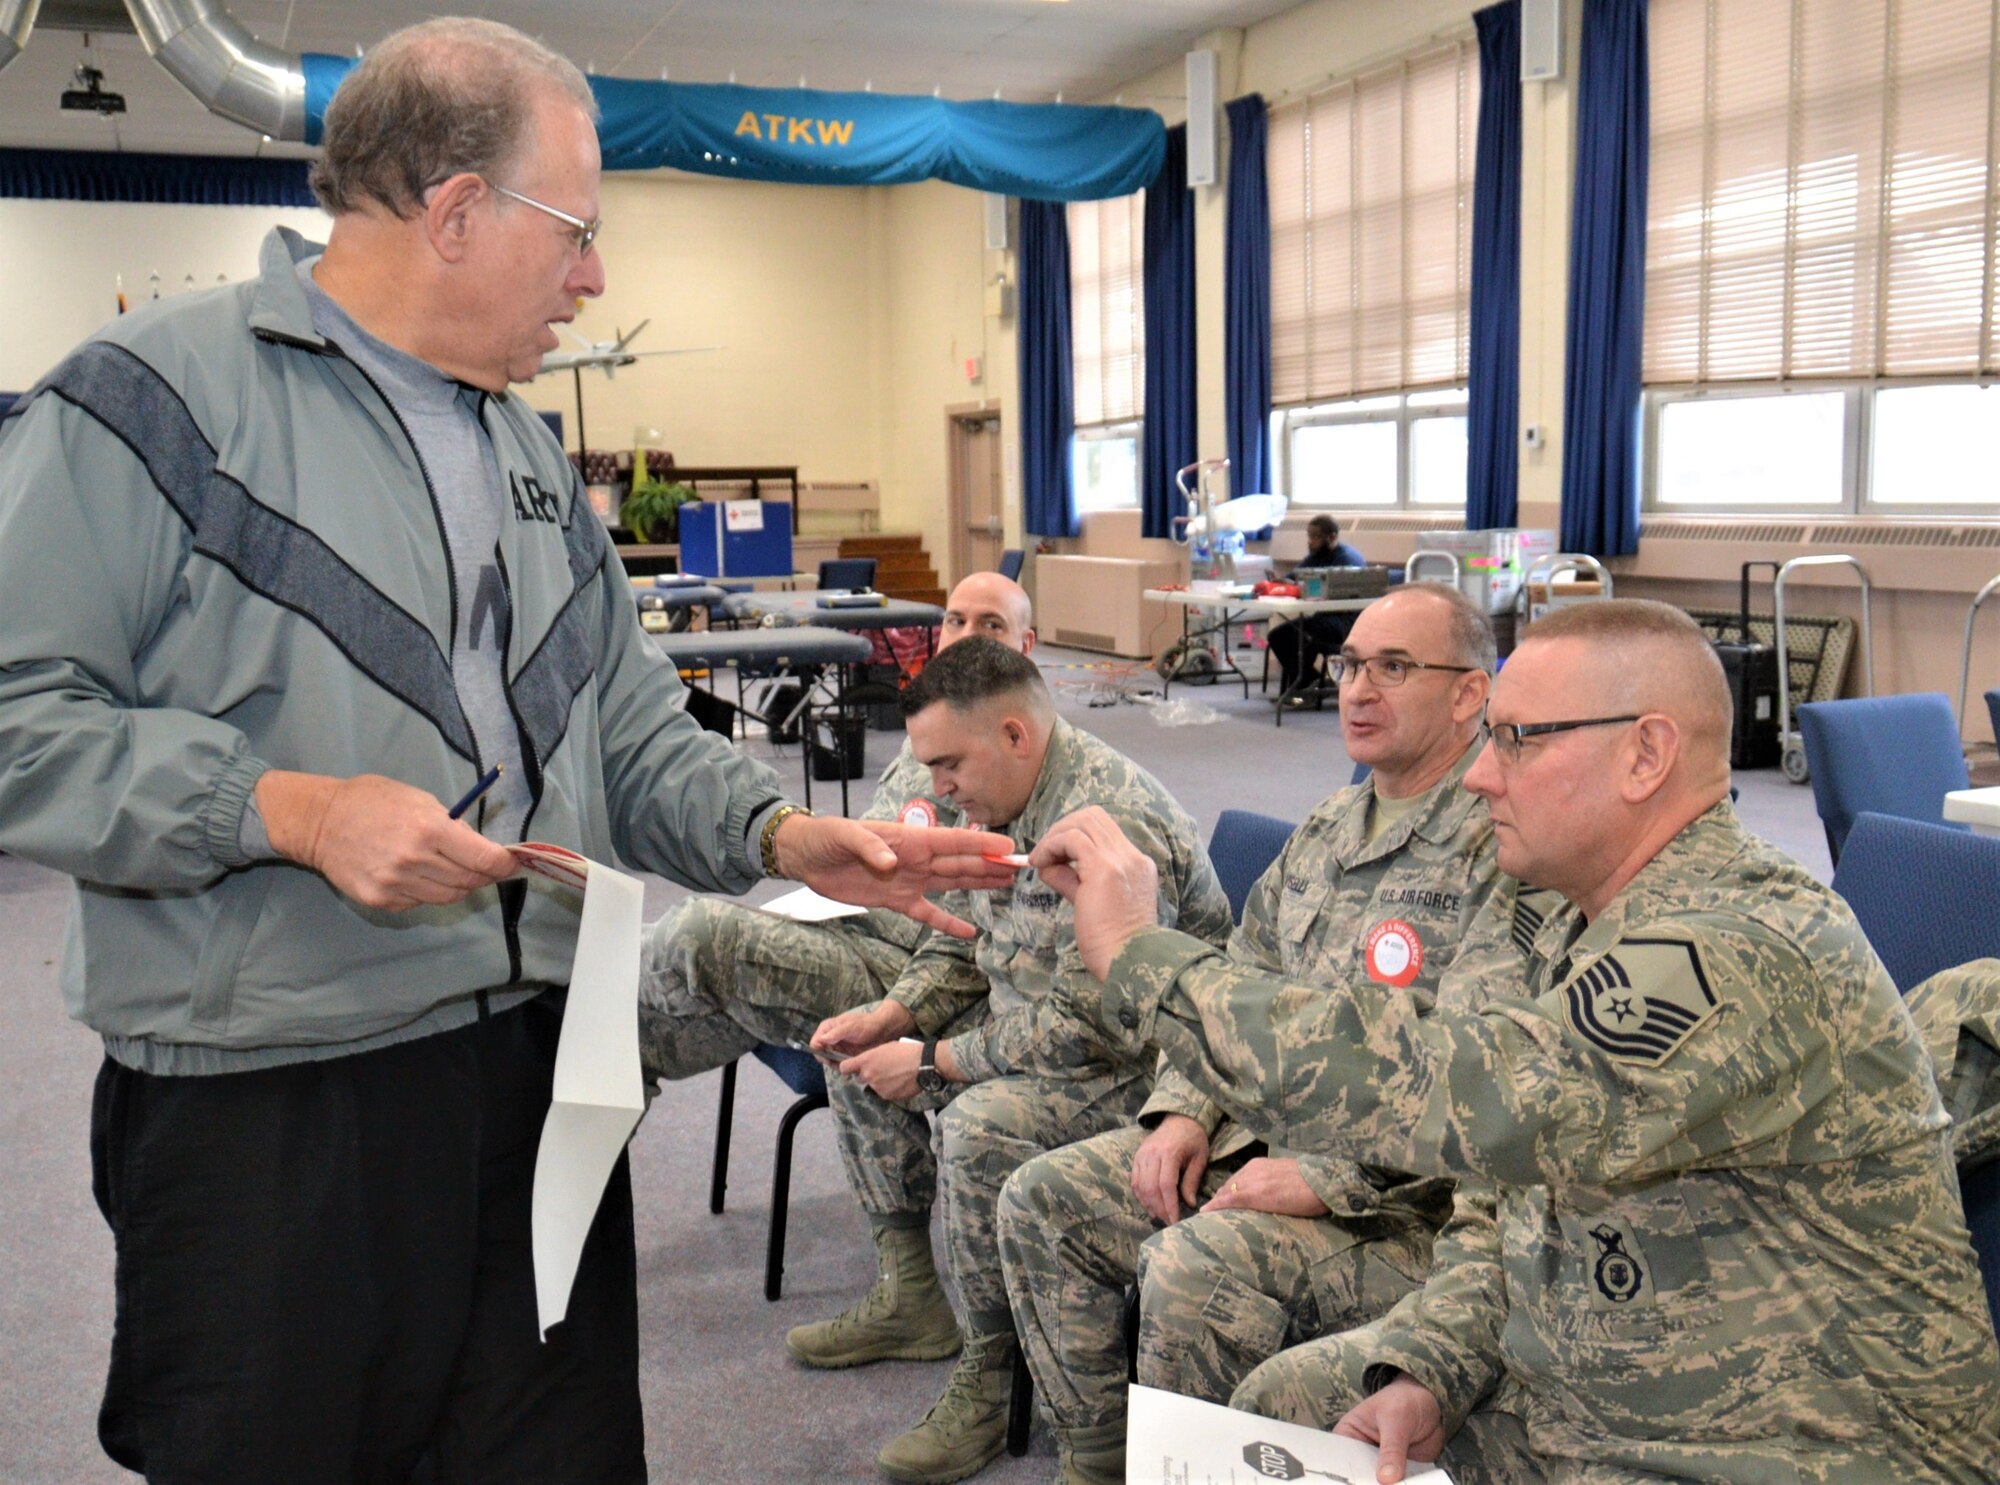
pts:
[724, 1404]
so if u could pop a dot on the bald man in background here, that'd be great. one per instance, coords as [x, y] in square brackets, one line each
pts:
[1708, 1225]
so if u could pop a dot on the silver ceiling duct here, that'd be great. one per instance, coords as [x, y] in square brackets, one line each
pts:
[17, 19]
[231, 72]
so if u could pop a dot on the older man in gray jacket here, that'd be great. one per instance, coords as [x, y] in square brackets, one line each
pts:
[285, 567]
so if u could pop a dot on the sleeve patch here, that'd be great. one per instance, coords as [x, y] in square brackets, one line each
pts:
[1642, 1000]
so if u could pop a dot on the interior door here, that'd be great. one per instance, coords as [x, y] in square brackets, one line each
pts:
[985, 533]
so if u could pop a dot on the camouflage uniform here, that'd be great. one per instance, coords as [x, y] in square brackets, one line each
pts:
[1221, 1292]
[718, 978]
[1723, 1240]
[1039, 1078]
[1958, 1013]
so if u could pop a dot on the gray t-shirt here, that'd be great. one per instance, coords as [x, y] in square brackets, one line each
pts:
[442, 416]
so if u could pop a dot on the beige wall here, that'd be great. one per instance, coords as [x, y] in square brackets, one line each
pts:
[935, 268]
[777, 277]
[63, 260]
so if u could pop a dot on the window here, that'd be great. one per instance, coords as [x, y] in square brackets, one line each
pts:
[1104, 467]
[1821, 255]
[1107, 309]
[1406, 449]
[1371, 231]
[1871, 448]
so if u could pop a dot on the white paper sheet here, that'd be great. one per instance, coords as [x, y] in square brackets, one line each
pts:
[804, 905]
[1175, 1440]
[598, 1096]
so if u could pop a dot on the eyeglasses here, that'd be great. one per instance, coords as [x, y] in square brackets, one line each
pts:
[1384, 670]
[586, 232]
[1508, 736]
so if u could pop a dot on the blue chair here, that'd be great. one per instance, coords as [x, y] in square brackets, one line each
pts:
[847, 572]
[1927, 896]
[1894, 755]
[1993, 711]
[801, 1072]
[1361, 771]
[1243, 845]
[1010, 563]
[1980, 1191]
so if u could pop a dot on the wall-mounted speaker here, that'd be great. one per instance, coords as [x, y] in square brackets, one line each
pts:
[1201, 118]
[1541, 40]
[996, 223]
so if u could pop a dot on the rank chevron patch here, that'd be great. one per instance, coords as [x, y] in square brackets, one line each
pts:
[1641, 1000]
[1527, 923]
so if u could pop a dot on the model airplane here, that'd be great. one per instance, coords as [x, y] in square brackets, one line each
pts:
[608, 355]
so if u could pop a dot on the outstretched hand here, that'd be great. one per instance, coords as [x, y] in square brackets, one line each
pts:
[874, 863]
[1113, 885]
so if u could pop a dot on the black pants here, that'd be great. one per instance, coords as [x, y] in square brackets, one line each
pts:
[1299, 643]
[324, 1274]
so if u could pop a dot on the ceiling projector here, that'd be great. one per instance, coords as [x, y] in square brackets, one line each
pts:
[88, 96]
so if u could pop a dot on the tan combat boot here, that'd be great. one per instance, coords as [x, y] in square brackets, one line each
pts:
[1092, 1456]
[966, 1429]
[905, 1317]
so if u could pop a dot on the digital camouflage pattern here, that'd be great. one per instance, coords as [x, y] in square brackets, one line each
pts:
[1725, 1241]
[1040, 1076]
[717, 978]
[1958, 1013]
[1225, 1290]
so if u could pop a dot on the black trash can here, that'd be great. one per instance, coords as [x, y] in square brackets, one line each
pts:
[844, 753]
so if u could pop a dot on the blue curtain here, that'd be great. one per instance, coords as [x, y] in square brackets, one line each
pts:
[1048, 416]
[1492, 458]
[1607, 285]
[1167, 439]
[162, 180]
[1246, 301]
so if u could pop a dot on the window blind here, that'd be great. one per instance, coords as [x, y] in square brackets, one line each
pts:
[1823, 189]
[1370, 185]
[1107, 312]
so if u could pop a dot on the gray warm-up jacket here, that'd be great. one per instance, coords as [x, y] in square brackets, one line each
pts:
[220, 553]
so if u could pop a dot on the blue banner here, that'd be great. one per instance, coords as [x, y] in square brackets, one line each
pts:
[1040, 151]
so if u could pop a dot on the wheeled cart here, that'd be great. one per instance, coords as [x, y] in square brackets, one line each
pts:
[1790, 738]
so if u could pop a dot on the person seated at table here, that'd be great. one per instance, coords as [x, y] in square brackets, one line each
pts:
[1299, 646]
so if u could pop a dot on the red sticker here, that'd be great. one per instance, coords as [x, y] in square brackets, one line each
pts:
[919, 812]
[1393, 952]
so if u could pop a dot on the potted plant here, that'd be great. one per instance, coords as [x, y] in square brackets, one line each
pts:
[652, 511]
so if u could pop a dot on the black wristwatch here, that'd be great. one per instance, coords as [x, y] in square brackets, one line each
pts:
[929, 1079]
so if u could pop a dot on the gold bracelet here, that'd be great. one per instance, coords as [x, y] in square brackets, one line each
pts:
[767, 844]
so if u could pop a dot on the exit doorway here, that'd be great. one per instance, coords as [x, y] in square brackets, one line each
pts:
[978, 523]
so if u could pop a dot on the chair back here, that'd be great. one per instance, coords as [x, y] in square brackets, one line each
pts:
[1361, 771]
[847, 572]
[1993, 712]
[1894, 755]
[1927, 896]
[1244, 844]
[1980, 1190]
[799, 1071]
[1010, 563]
